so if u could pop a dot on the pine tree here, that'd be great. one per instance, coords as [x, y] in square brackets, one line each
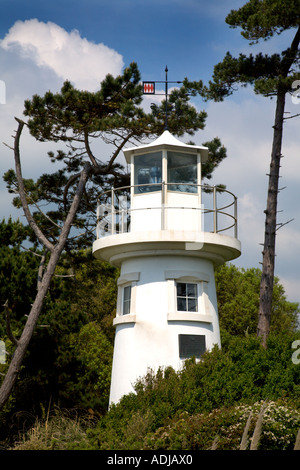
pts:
[271, 76]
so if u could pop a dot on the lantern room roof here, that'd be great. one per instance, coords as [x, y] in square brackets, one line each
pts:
[167, 141]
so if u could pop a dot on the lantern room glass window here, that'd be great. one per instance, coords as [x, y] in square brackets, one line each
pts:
[148, 172]
[187, 297]
[182, 170]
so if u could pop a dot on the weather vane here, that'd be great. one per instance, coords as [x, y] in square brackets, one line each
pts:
[149, 89]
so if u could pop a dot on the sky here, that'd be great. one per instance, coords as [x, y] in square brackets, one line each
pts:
[44, 43]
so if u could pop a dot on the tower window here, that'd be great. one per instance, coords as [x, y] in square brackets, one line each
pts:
[187, 297]
[182, 170]
[148, 172]
[191, 346]
[126, 300]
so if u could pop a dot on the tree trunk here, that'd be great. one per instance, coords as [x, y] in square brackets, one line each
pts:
[268, 265]
[43, 286]
[22, 345]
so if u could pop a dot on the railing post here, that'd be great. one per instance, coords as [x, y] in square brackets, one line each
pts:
[98, 216]
[235, 218]
[163, 200]
[122, 214]
[122, 221]
[201, 222]
[112, 211]
[215, 210]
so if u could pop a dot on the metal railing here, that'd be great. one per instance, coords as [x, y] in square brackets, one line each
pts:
[217, 205]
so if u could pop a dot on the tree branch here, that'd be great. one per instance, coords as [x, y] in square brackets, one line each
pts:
[116, 153]
[39, 234]
[41, 212]
[84, 175]
[291, 117]
[41, 269]
[279, 226]
[291, 54]
[8, 328]
[88, 148]
[71, 180]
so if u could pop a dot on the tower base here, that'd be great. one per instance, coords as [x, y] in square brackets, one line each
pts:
[155, 334]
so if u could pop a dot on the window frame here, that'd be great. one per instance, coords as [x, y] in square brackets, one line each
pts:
[186, 297]
[204, 313]
[176, 176]
[147, 186]
[127, 279]
[126, 302]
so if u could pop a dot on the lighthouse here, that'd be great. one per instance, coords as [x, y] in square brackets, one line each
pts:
[166, 232]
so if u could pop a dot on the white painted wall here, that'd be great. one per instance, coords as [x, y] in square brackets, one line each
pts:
[182, 211]
[152, 341]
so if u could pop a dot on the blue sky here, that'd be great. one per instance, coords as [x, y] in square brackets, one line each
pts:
[189, 36]
[44, 43]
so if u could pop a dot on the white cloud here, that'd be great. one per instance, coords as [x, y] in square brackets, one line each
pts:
[69, 55]
[291, 287]
[288, 240]
[36, 57]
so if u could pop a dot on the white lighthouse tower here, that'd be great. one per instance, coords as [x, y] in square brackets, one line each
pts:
[166, 232]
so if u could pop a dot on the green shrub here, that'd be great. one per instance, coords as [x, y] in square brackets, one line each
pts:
[224, 428]
[89, 387]
[238, 302]
[241, 373]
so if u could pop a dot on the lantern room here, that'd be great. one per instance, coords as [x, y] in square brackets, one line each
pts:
[166, 177]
